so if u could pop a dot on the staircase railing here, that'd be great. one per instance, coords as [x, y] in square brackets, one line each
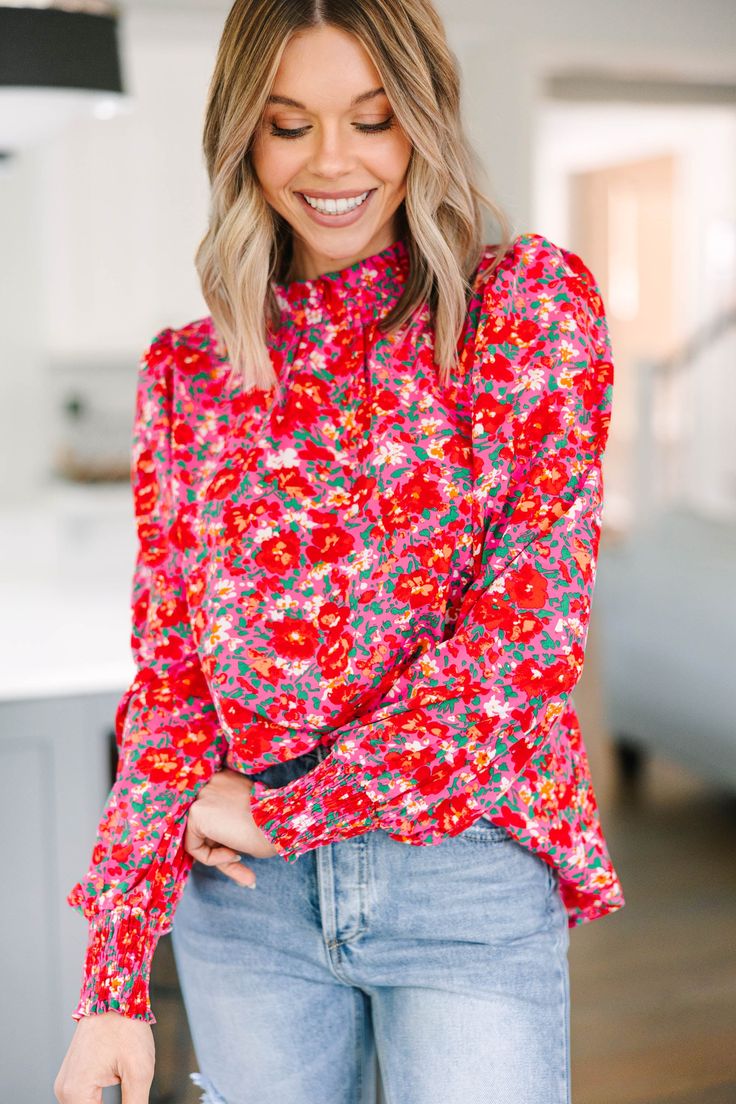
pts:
[685, 457]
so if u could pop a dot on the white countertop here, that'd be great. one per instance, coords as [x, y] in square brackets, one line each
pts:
[66, 568]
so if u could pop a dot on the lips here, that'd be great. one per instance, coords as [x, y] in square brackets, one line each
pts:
[338, 219]
[335, 195]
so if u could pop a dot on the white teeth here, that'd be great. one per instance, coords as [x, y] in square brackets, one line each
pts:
[336, 206]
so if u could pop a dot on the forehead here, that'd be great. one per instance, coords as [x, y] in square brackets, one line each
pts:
[325, 68]
[356, 101]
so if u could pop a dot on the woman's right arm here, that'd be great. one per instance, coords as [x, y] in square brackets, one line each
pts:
[169, 746]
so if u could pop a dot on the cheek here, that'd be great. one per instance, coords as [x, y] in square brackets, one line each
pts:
[394, 170]
[275, 165]
[395, 160]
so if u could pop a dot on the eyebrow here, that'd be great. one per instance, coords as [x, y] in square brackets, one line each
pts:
[287, 102]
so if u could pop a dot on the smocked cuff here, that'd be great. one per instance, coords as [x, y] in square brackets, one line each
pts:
[327, 804]
[117, 967]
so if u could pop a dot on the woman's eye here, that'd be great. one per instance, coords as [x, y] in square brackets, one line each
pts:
[365, 128]
[372, 128]
[283, 132]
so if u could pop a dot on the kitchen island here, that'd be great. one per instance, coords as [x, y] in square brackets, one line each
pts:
[66, 563]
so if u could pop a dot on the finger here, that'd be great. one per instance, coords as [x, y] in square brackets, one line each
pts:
[212, 854]
[239, 873]
[217, 854]
[135, 1092]
[136, 1087]
[91, 1096]
[192, 840]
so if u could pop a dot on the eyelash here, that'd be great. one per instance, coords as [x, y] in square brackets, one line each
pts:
[365, 128]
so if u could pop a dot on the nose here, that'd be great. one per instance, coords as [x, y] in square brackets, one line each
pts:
[333, 154]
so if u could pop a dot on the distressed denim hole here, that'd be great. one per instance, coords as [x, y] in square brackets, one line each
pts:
[210, 1095]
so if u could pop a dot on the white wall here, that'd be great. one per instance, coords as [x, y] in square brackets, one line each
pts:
[22, 330]
[125, 199]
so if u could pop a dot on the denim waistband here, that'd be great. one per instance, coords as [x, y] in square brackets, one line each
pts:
[280, 774]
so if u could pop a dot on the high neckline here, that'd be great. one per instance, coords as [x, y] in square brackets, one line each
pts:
[368, 286]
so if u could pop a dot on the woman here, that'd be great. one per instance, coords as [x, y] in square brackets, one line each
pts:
[368, 518]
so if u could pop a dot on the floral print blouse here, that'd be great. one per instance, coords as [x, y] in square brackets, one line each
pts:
[363, 559]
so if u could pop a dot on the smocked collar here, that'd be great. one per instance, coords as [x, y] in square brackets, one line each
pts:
[367, 289]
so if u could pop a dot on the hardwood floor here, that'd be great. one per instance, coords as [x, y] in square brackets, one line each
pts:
[653, 986]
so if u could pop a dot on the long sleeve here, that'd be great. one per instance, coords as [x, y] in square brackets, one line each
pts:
[457, 725]
[168, 738]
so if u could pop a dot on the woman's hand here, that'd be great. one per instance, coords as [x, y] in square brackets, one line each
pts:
[220, 826]
[107, 1049]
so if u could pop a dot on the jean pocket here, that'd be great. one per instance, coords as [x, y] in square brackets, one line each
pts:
[485, 831]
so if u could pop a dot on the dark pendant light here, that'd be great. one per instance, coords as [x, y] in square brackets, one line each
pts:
[58, 60]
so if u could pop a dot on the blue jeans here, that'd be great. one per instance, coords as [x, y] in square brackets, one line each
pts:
[443, 966]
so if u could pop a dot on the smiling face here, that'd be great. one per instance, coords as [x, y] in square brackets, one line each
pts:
[328, 131]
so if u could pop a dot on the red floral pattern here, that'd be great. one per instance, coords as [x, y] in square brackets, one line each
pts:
[363, 559]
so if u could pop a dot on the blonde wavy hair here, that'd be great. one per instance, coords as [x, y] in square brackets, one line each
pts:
[247, 243]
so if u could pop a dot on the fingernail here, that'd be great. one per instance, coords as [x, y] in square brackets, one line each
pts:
[251, 885]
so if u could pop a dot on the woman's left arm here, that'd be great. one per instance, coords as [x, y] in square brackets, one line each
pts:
[459, 724]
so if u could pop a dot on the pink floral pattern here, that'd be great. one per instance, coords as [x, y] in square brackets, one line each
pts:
[363, 559]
